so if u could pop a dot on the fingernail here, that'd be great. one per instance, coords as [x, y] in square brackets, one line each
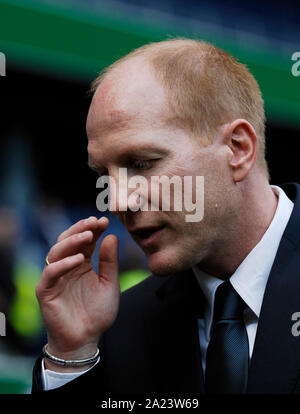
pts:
[103, 219]
[90, 220]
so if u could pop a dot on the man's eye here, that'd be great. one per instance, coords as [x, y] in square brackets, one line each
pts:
[141, 165]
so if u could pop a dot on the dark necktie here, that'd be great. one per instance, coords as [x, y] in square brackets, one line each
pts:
[227, 357]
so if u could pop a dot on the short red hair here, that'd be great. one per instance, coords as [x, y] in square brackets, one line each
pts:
[207, 87]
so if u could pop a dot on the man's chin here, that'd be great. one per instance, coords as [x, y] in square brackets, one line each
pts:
[161, 266]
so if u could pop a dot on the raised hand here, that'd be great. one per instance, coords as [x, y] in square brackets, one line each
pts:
[77, 304]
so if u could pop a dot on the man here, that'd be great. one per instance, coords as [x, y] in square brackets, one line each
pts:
[215, 316]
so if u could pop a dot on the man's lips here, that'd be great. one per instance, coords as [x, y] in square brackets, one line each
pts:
[146, 235]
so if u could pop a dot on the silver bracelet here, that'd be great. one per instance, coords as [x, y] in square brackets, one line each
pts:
[70, 362]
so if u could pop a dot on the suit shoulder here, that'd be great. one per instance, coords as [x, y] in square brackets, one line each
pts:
[143, 290]
[136, 304]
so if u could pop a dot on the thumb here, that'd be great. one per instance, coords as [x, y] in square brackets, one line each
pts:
[109, 260]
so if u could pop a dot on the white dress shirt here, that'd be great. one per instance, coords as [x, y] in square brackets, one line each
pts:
[249, 280]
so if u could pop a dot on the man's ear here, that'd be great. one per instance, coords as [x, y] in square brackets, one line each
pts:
[241, 139]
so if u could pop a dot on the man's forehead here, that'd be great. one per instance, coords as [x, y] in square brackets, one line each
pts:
[131, 80]
[115, 121]
[131, 91]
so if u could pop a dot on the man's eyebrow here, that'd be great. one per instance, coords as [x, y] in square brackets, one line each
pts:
[142, 150]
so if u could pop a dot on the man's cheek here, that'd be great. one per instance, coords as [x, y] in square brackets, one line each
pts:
[193, 198]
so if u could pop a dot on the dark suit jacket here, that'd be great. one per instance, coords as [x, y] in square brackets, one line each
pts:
[153, 346]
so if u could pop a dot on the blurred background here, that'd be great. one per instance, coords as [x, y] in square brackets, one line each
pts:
[54, 49]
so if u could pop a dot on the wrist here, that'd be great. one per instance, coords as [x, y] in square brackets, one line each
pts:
[66, 353]
[72, 361]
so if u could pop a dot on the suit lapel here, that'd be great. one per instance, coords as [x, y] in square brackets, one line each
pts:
[276, 354]
[275, 365]
[173, 334]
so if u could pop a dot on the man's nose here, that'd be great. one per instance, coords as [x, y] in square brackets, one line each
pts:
[121, 202]
[118, 199]
[123, 198]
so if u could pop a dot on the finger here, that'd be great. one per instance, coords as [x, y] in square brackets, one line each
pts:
[108, 259]
[98, 231]
[90, 223]
[70, 246]
[55, 270]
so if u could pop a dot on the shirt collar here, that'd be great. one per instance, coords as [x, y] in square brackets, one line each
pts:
[250, 278]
